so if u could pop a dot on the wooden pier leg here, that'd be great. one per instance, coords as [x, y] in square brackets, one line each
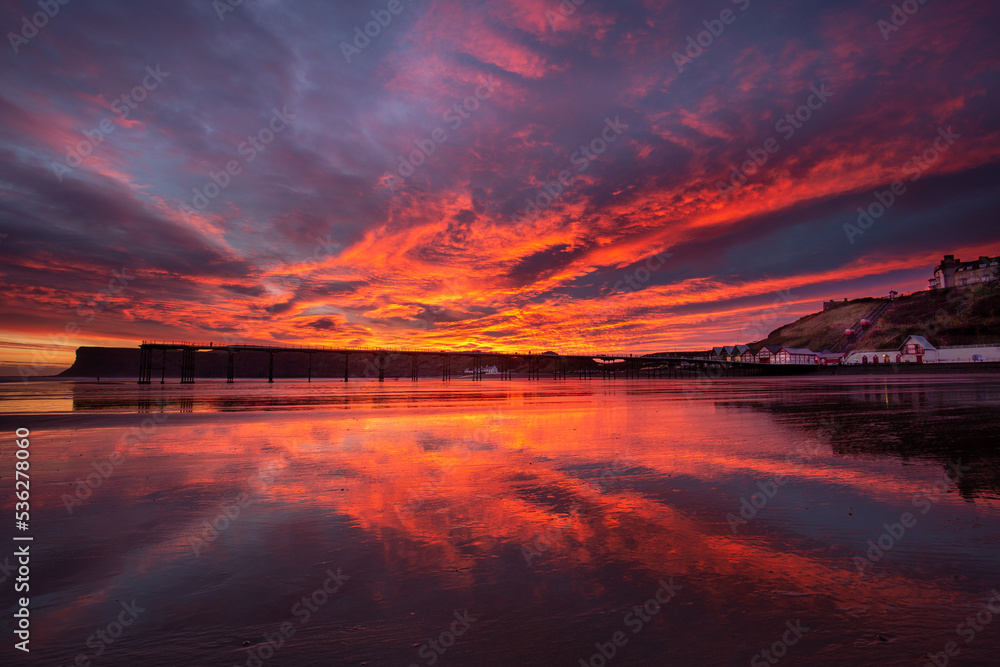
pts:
[145, 364]
[187, 366]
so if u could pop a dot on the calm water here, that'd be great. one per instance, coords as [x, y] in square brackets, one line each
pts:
[510, 523]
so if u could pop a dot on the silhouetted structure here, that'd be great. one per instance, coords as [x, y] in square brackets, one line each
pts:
[374, 363]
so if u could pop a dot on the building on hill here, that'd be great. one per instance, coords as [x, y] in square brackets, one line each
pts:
[827, 305]
[953, 272]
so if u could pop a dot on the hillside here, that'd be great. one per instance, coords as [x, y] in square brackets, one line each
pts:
[956, 316]
[822, 331]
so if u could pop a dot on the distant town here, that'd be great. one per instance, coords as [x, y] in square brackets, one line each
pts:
[954, 279]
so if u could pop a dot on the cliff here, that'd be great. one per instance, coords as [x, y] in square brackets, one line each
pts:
[104, 362]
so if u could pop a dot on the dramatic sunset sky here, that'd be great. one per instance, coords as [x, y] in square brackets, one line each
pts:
[321, 236]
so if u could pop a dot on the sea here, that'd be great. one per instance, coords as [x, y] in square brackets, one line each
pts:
[578, 522]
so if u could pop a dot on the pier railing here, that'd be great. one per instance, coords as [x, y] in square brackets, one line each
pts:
[376, 359]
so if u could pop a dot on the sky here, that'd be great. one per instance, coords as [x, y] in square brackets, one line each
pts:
[510, 175]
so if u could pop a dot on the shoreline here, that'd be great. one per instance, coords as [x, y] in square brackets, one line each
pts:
[792, 370]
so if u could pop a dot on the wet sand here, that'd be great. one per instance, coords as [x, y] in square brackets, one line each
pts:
[658, 522]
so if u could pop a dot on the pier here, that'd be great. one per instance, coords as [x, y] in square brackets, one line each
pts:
[374, 363]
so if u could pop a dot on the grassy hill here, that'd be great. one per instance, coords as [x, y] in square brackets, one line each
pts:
[956, 316]
[821, 331]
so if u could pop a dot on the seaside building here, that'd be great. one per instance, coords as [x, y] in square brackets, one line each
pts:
[782, 354]
[918, 350]
[729, 352]
[953, 272]
[735, 352]
[485, 370]
[830, 358]
[793, 355]
[765, 353]
[749, 355]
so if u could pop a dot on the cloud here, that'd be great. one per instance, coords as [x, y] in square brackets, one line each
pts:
[312, 241]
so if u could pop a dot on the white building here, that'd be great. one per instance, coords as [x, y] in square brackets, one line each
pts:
[793, 355]
[918, 350]
[953, 272]
[830, 358]
[485, 370]
[765, 353]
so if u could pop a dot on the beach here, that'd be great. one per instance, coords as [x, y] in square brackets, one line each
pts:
[831, 520]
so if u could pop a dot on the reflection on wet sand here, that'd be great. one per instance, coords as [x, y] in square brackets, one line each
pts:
[550, 510]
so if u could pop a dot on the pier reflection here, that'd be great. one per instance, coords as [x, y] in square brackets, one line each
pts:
[550, 509]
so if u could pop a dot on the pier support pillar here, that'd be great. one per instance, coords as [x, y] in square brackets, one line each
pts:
[270, 367]
[560, 368]
[145, 364]
[187, 365]
[231, 367]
